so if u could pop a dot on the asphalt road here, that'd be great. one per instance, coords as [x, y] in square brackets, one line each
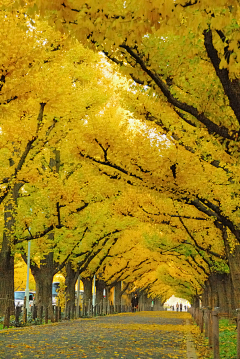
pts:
[131, 335]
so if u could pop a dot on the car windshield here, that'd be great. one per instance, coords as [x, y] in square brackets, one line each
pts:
[19, 295]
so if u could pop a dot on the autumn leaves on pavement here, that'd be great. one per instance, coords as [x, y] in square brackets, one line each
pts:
[127, 335]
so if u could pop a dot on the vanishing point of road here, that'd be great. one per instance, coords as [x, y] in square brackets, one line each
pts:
[145, 335]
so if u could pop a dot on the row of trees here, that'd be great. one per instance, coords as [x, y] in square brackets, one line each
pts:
[129, 169]
[191, 96]
[56, 96]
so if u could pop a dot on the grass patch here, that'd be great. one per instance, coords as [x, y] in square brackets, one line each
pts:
[227, 341]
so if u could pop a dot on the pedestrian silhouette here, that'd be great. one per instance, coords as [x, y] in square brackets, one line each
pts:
[134, 302]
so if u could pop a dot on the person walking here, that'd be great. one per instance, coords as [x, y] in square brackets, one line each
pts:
[134, 302]
[180, 307]
[177, 306]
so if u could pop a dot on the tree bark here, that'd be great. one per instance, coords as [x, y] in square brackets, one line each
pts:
[234, 266]
[214, 284]
[6, 253]
[87, 283]
[6, 281]
[100, 285]
[219, 292]
[225, 290]
[43, 276]
[118, 294]
[70, 282]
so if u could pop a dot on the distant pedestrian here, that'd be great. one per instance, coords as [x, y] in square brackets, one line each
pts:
[185, 307]
[173, 308]
[177, 306]
[134, 302]
[152, 304]
[180, 307]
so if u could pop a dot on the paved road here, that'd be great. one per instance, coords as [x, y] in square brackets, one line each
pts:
[132, 335]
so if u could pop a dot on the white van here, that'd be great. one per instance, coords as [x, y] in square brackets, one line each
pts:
[19, 298]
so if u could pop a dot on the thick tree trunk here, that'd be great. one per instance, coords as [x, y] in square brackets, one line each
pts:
[118, 294]
[208, 293]
[87, 283]
[234, 266]
[6, 253]
[225, 293]
[230, 293]
[43, 276]
[195, 301]
[6, 280]
[205, 297]
[218, 292]
[70, 282]
[214, 284]
[44, 273]
[100, 285]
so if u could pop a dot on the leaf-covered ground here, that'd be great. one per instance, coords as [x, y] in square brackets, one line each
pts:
[132, 335]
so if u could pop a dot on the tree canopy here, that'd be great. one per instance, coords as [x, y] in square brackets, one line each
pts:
[152, 121]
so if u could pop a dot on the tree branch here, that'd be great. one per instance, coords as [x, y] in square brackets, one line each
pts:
[211, 126]
[223, 75]
[38, 235]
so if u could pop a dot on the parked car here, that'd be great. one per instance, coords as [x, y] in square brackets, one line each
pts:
[19, 298]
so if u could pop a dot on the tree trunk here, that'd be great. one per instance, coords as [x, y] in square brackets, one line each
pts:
[218, 292]
[234, 266]
[87, 283]
[205, 297]
[43, 276]
[70, 282]
[214, 284]
[117, 293]
[225, 290]
[6, 280]
[100, 285]
[6, 253]
[195, 301]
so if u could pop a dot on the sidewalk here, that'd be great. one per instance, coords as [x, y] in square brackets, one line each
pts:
[157, 335]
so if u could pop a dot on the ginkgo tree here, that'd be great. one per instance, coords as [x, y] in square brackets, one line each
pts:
[201, 117]
[164, 210]
[22, 124]
[63, 190]
[47, 83]
[198, 165]
[163, 242]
